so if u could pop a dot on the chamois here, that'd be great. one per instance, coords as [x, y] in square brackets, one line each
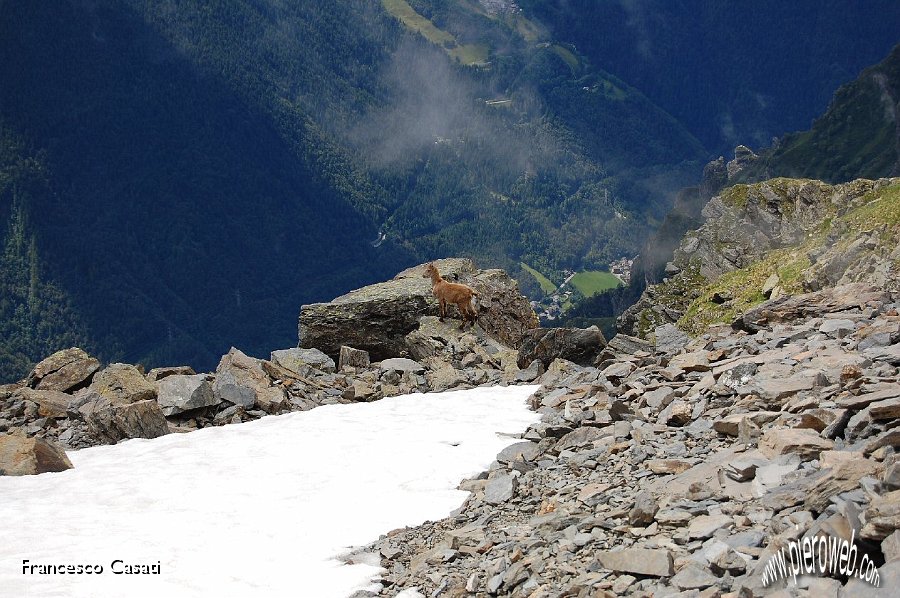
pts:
[451, 292]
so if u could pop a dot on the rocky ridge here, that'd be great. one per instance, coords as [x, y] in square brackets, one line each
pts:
[71, 401]
[778, 237]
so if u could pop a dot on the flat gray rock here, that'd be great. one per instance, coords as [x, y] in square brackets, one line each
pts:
[180, 393]
[643, 561]
[401, 364]
[500, 489]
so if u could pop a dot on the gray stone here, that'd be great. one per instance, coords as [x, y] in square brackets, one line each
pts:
[532, 372]
[888, 578]
[659, 398]
[751, 538]
[629, 345]
[500, 488]
[704, 526]
[620, 369]
[298, 360]
[882, 516]
[670, 339]
[837, 327]
[800, 307]
[692, 577]
[888, 409]
[891, 479]
[642, 561]
[769, 285]
[179, 393]
[890, 547]
[157, 374]
[579, 437]
[401, 364]
[738, 376]
[353, 358]
[51, 403]
[527, 451]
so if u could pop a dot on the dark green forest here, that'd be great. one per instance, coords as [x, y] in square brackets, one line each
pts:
[179, 177]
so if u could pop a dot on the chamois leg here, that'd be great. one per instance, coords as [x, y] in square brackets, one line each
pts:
[464, 314]
[443, 308]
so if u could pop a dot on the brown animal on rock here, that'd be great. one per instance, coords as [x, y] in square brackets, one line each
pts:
[452, 292]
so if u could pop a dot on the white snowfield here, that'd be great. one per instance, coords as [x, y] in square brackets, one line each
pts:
[255, 509]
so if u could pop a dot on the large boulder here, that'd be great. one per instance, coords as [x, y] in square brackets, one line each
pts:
[179, 393]
[110, 421]
[122, 383]
[241, 380]
[64, 371]
[578, 345]
[378, 317]
[20, 455]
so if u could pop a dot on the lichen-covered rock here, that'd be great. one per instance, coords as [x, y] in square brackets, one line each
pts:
[774, 239]
[20, 455]
[353, 358]
[300, 360]
[377, 318]
[122, 383]
[64, 371]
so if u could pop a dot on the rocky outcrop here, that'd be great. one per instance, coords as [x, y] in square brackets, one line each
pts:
[64, 371]
[377, 318]
[20, 455]
[771, 239]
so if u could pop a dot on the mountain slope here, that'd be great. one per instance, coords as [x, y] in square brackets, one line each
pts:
[209, 168]
[178, 216]
[731, 72]
[858, 136]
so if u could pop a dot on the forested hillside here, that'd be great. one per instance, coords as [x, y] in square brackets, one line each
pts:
[179, 177]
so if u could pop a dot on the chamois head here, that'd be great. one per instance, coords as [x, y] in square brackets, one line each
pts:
[430, 270]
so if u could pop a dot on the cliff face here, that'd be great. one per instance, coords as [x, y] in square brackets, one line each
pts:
[781, 236]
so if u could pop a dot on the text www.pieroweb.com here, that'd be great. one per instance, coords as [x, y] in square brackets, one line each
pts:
[820, 555]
